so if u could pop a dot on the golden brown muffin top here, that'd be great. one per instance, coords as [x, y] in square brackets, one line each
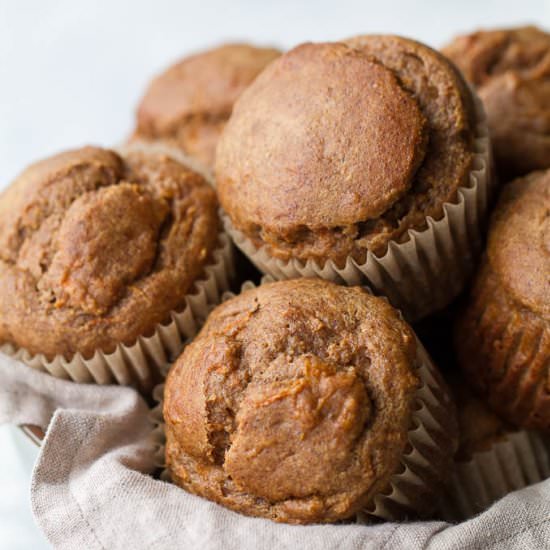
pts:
[519, 241]
[336, 148]
[293, 402]
[511, 69]
[486, 54]
[206, 84]
[97, 248]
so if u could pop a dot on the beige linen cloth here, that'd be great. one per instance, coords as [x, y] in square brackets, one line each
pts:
[91, 487]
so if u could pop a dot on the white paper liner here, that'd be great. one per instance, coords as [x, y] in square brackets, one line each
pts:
[141, 363]
[518, 460]
[422, 274]
[400, 498]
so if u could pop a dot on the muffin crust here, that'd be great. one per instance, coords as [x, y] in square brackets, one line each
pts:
[337, 148]
[511, 69]
[503, 336]
[189, 104]
[294, 402]
[97, 248]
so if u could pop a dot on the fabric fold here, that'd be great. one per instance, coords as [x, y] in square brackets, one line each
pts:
[92, 486]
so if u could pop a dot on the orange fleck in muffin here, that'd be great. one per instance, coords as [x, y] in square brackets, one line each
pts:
[302, 401]
[97, 248]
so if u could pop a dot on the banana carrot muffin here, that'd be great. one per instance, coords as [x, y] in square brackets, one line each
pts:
[338, 150]
[97, 248]
[189, 104]
[303, 401]
[510, 69]
[479, 427]
[494, 457]
[503, 336]
[482, 431]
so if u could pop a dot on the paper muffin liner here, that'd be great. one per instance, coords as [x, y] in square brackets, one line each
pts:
[422, 274]
[503, 352]
[429, 440]
[144, 362]
[518, 460]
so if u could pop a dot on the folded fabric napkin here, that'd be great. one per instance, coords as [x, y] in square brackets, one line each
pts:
[92, 487]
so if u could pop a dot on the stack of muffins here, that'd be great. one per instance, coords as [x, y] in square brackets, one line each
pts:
[357, 177]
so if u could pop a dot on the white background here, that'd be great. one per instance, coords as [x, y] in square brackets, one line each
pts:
[72, 72]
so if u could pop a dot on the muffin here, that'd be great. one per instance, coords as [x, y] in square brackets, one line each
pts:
[479, 427]
[339, 157]
[503, 335]
[97, 249]
[189, 104]
[511, 69]
[304, 401]
[493, 459]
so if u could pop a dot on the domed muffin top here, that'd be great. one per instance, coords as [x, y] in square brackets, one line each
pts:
[336, 148]
[485, 55]
[96, 248]
[324, 120]
[519, 241]
[511, 70]
[293, 402]
[206, 84]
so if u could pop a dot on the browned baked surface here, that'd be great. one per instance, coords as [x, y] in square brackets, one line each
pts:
[294, 402]
[96, 249]
[511, 70]
[503, 336]
[189, 104]
[339, 148]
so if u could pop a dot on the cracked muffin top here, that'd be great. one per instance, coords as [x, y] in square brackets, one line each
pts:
[294, 402]
[511, 70]
[96, 248]
[338, 148]
[191, 101]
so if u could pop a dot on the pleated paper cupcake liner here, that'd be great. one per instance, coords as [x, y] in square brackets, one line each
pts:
[144, 362]
[422, 274]
[504, 352]
[429, 441]
[518, 460]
